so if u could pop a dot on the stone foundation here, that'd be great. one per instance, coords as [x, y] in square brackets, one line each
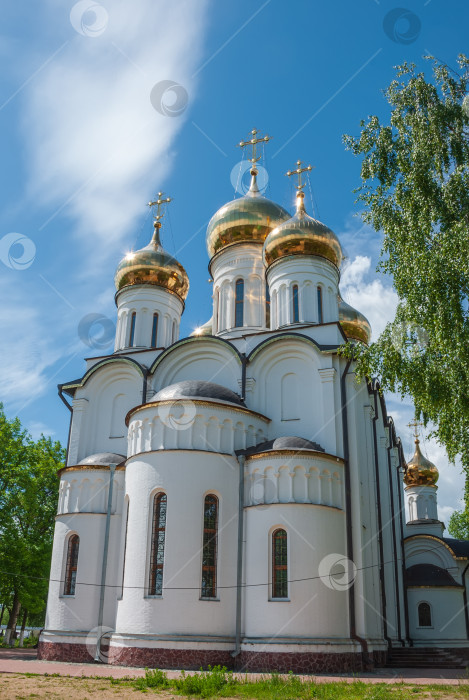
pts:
[194, 659]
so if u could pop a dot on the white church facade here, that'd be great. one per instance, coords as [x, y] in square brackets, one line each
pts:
[237, 497]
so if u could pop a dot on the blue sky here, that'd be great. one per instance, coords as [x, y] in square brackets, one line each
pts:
[84, 148]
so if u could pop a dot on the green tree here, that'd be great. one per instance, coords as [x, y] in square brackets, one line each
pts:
[458, 525]
[28, 502]
[415, 191]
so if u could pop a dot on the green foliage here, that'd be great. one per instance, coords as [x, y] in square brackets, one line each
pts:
[28, 503]
[458, 525]
[415, 190]
[205, 684]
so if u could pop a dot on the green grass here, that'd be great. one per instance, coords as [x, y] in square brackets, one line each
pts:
[218, 682]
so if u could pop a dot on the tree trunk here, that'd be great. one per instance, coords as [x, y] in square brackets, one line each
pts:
[11, 627]
[23, 625]
[1, 614]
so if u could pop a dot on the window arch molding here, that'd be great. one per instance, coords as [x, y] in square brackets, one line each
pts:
[71, 556]
[279, 563]
[157, 524]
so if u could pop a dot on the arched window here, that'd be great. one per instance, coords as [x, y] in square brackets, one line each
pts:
[132, 329]
[158, 532]
[425, 615]
[295, 305]
[209, 550]
[267, 306]
[174, 331]
[279, 564]
[154, 331]
[239, 303]
[72, 563]
[320, 314]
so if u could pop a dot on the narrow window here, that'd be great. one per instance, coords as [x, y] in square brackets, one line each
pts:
[132, 329]
[154, 331]
[71, 568]
[157, 545]
[319, 292]
[239, 303]
[279, 564]
[425, 615]
[267, 306]
[296, 309]
[125, 547]
[209, 551]
[174, 331]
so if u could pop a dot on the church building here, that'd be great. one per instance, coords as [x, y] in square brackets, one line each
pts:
[237, 497]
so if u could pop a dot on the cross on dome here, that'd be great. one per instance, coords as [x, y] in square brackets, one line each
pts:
[415, 424]
[159, 202]
[252, 142]
[299, 171]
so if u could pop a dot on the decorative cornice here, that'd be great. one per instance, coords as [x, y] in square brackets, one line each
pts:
[197, 402]
[295, 453]
[88, 467]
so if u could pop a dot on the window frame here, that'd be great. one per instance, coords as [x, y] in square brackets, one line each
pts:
[154, 331]
[320, 304]
[275, 568]
[430, 613]
[295, 301]
[155, 587]
[239, 303]
[133, 320]
[71, 566]
[207, 569]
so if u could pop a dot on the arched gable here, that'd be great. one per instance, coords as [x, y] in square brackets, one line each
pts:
[426, 549]
[210, 359]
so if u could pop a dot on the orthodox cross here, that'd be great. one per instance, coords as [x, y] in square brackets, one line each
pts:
[415, 424]
[252, 142]
[299, 171]
[159, 203]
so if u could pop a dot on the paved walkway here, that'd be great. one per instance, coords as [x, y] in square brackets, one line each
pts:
[25, 661]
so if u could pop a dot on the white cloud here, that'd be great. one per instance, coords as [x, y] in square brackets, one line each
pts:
[361, 289]
[96, 144]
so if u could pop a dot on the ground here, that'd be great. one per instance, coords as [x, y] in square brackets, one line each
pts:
[23, 677]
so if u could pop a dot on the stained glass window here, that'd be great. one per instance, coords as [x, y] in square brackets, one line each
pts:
[209, 550]
[239, 303]
[279, 564]
[72, 563]
[296, 309]
[157, 545]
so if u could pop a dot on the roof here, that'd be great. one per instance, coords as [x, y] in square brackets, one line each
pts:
[104, 458]
[289, 442]
[429, 575]
[459, 547]
[192, 389]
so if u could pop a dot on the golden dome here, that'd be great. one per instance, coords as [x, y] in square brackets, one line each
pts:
[302, 235]
[246, 219]
[204, 330]
[153, 265]
[420, 471]
[354, 324]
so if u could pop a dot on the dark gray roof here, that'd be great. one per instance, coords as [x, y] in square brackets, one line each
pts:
[459, 547]
[290, 442]
[429, 575]
[104, 458]
[192, 389]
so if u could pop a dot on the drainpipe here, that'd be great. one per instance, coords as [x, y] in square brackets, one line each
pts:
[406, 605]
[112, 469]
[380, 525]
[64, 400]
[239, 571]
[394, 539]
[348, 511]
[466, 615]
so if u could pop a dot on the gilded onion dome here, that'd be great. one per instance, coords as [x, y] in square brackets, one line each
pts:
[244, 220]
[420, 471]
[205, 329]
[302, 235]
[153, 265]
[354, 324]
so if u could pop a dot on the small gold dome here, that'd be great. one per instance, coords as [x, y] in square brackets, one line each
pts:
[302, 235]
[354, 324]
[153, 265]
[204, 330]
[420, 471]
[246, 219]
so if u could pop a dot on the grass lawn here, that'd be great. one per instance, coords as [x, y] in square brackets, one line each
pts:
[216, 683]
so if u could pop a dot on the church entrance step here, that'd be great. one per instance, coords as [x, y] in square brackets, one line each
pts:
[420, 657]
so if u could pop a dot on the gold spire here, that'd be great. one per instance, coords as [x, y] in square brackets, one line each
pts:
[252, 142]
